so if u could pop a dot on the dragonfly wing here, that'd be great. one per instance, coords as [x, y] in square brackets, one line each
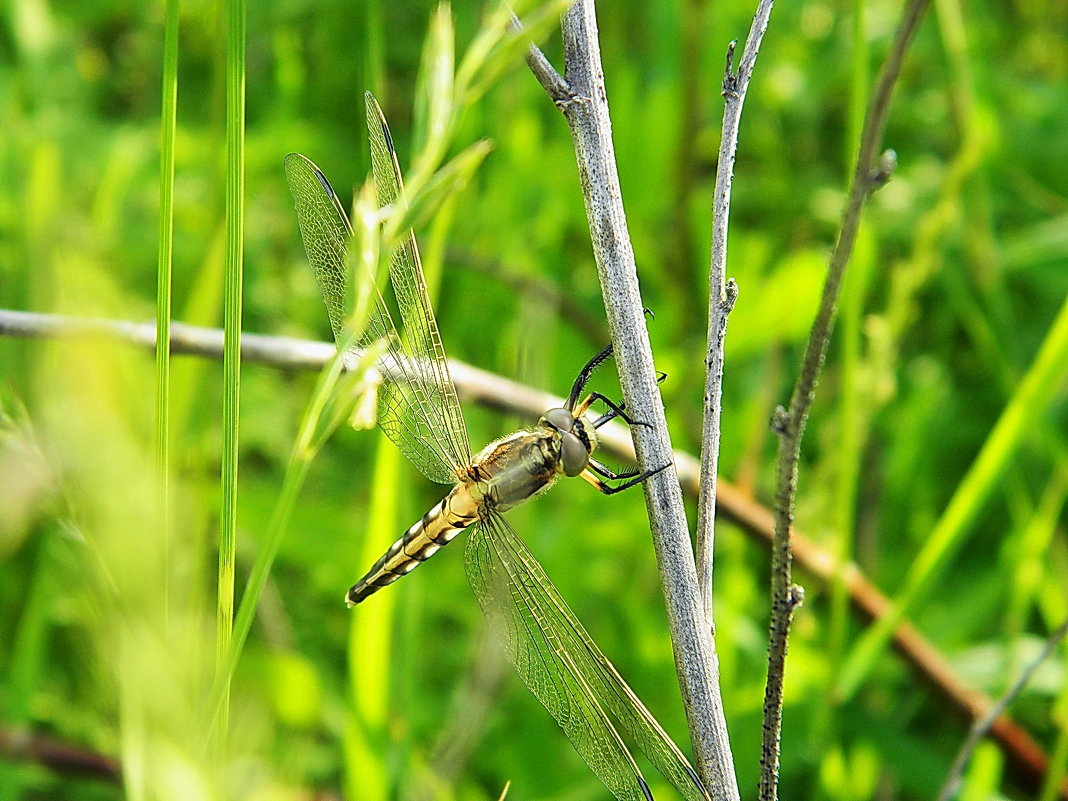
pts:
[428, 388]
[418, 407]
[507, 595]
[565, 669]
[325, 229]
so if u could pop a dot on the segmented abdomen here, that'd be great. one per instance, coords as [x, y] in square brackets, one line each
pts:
[437, 528]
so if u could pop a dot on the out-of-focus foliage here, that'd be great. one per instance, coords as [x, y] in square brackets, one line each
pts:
[961, 269]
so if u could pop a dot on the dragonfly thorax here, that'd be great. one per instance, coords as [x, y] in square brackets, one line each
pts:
[577, 439]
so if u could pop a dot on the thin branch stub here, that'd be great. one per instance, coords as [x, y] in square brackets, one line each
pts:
[730, 77]
[731, 296]
[880, 175]
[780, 421]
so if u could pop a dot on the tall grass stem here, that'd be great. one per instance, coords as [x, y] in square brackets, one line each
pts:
[168, 122]
[232, 290]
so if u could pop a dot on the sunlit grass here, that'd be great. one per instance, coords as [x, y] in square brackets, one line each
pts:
[164, 270]
[233, 290]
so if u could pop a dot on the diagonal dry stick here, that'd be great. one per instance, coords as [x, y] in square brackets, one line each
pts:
[983, 724]
[19, 745]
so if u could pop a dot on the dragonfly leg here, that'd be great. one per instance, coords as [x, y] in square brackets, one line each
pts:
[584, 376]
[604, 472]
[607, 489]
[615, 409]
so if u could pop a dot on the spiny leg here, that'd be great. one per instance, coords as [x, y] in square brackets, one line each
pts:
[615, 409]
[587, 372]
[610, 490]
[604, 472]
[584, 376]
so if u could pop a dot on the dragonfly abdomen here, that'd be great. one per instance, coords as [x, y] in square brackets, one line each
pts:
[436, 529]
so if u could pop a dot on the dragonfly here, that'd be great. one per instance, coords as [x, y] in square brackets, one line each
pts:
[419, 411]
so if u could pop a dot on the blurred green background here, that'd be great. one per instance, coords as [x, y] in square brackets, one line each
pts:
[959, 275]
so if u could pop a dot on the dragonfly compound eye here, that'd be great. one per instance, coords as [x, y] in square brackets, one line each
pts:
[561, 419]
[574, 455]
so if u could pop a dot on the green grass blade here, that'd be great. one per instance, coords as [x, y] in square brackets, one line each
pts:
[367, 741]
[26, 660]
[310, 438]
[235, 213]
[168, 121]
[854, 422]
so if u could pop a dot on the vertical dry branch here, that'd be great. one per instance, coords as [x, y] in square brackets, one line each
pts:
[581, 96]
[721, 299]
[789, 423]
[721, 295]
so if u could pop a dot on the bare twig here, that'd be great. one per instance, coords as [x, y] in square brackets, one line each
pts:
[492, 391]
[790, 423]
[982, 726]
[721, 295]
[551, 81]
[280, 352]
[583, 100]
[56, 755]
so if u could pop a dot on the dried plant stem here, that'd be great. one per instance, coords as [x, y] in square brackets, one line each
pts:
[721, 295]
[983, 725]
[19, 745]
[790, 423]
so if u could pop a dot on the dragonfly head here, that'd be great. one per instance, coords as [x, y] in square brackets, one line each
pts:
[577, 439]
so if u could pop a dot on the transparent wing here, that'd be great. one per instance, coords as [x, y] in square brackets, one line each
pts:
[430, 398]
[418, 408]
[564, 668]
